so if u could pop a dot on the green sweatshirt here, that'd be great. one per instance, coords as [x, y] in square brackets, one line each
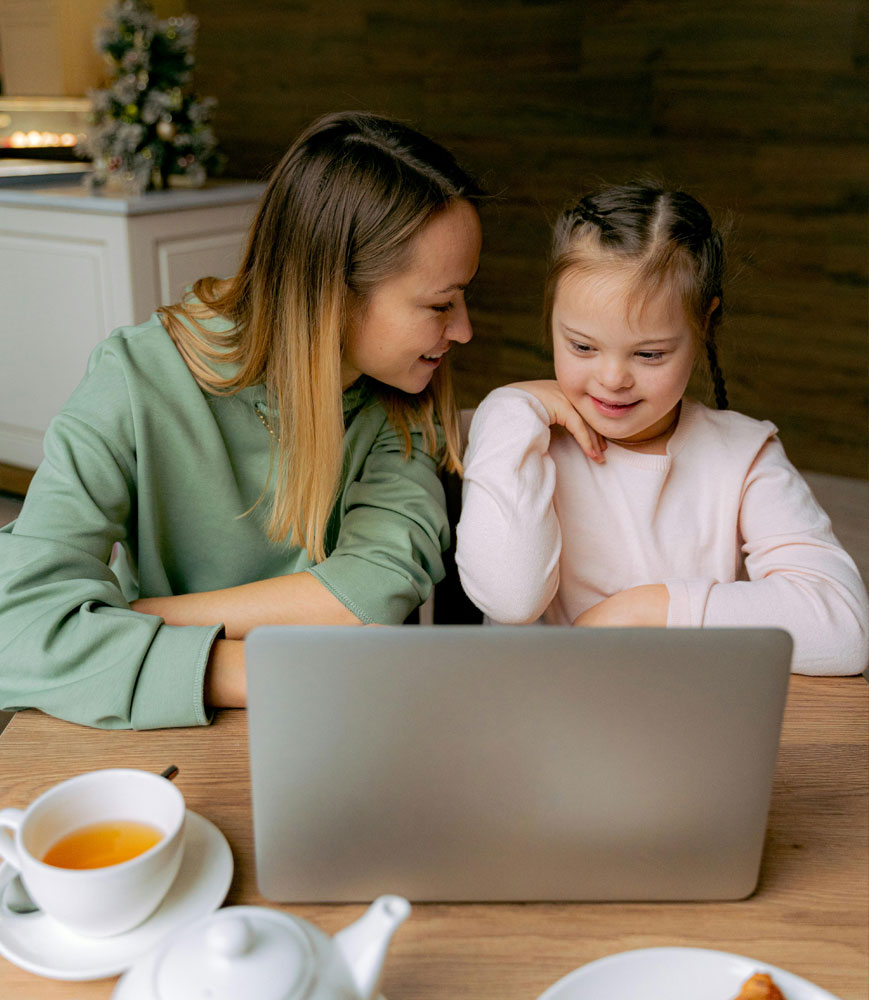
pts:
[142, 457]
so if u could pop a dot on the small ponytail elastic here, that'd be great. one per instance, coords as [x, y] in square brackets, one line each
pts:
[585, 212]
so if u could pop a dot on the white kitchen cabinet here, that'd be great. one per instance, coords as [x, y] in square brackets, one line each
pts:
[74, 265]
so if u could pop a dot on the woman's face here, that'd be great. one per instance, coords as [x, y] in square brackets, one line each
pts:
[403, 329]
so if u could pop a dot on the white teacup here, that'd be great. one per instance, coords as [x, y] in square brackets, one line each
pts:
[97, 902]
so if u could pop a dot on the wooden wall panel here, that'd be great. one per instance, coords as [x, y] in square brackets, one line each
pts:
[756, 106]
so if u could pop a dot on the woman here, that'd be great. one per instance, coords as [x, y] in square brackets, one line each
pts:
[265, 451]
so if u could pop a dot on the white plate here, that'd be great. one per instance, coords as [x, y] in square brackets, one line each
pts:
[674, 974]
[39, 944]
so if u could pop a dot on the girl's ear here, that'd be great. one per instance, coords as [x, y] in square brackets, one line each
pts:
[713, 305]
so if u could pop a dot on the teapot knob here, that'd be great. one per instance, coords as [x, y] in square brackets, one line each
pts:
[229, 938]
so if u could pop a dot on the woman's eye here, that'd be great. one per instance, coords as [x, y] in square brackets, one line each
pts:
[444, 308]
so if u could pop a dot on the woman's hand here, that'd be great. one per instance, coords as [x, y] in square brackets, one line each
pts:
[562, 412]
[648, 605]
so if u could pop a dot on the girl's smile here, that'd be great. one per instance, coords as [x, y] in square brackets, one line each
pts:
[623, 364]
[609, 409]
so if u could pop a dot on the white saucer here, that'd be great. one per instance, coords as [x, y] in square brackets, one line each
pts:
[39, 944]
[675, 974]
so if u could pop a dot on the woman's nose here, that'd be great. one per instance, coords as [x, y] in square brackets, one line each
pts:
[459, 327]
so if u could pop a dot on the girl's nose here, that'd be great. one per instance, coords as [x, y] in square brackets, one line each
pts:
[614, 373]
[459, 327]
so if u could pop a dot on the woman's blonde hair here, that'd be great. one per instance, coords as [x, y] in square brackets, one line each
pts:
[338, 217]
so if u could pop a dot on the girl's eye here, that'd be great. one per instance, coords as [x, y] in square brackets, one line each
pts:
[581, 348]
[650, 355]
[444, 308]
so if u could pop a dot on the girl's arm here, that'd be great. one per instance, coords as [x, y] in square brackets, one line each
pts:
[561, 413]
[800, 578]
[508, 541]
[648, 606]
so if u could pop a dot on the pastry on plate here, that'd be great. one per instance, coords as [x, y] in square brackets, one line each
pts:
[760, 987]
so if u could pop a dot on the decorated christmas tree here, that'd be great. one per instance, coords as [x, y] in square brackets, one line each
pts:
[148, 130]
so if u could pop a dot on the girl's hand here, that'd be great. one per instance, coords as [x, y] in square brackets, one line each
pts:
[648, 605]
[562, 413]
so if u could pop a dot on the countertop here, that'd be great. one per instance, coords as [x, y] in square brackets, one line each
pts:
[80, 198]
[15, 172]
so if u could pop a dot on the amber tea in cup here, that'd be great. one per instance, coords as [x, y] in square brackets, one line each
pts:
[99, 845]
[98, 852]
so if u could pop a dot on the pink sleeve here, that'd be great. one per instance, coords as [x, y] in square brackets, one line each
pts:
[508, 541]
[687, 602]
[799, 577]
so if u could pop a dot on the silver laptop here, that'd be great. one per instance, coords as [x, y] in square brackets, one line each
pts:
[512, 763]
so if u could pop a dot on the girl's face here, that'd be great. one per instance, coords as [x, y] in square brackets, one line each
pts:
[404, 328]
[624, 370]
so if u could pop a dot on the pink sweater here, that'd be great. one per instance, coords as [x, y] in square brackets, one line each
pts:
[723, 519]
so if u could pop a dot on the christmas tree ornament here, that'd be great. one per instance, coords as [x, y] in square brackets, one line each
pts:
[148, 129]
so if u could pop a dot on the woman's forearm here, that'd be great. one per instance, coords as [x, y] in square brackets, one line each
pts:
[297, 599]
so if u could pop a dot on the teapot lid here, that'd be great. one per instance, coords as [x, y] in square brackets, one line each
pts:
[237, 951]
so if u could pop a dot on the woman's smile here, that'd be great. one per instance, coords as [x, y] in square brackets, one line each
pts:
[434, 358]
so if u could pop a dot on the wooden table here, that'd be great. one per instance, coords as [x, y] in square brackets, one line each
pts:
[810, 914]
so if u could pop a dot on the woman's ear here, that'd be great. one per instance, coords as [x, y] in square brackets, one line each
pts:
[354, 310]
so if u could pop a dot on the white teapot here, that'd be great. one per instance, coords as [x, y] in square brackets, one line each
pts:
[251, 951]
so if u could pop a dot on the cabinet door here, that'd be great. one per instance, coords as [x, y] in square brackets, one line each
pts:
[53, 314]
[181, 262]
[170, 250]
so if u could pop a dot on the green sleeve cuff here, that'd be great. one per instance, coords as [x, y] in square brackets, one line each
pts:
[372, 594]
[169, 692]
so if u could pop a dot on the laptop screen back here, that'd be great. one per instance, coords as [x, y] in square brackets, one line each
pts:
[530, 763]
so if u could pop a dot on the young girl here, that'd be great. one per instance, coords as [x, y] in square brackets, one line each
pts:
[607, 497]
[265, 451]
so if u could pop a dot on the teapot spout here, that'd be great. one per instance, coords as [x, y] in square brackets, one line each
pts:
[363, 944]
